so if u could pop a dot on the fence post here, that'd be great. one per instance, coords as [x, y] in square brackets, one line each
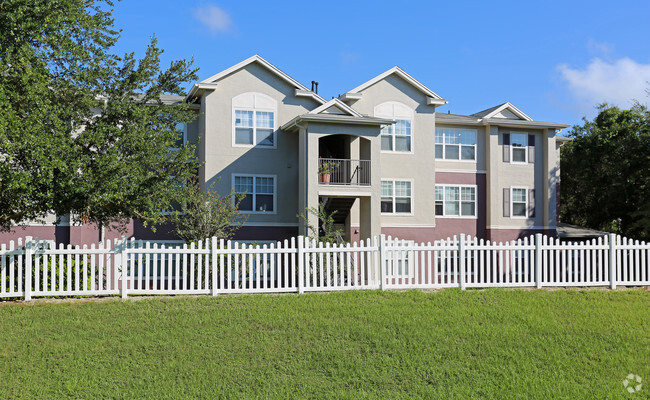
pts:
[29, 251]
[538, 260]
[124, 264]
[301, 265]
[612, 261]
[215, 268]
[382, 262]
[461, 256]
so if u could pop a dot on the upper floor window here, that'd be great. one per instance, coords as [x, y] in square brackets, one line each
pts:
[398, 136]
[396, 197]
[259, 191]
[518, 147]
[455, 144]
[254, 120]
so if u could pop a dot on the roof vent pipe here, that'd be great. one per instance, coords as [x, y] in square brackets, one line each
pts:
[314, 87]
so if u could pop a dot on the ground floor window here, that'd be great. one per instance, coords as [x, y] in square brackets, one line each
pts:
[259, 193]
[519, 203]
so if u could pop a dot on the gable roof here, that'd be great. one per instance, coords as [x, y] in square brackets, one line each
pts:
[209, 83]
[432, 97]
[346, 109]
[492, 111]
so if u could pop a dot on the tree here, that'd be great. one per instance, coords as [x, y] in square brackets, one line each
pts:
[326, 233]
[606, 172]
[83, 131]
[204, 214]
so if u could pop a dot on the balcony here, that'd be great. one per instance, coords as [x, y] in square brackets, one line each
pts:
[339, 171]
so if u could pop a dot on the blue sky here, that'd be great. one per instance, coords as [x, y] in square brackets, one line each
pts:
[555, 60]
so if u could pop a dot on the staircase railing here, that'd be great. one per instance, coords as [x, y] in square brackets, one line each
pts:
[339, 171]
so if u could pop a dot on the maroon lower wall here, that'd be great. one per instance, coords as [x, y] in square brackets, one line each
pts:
[266, 232]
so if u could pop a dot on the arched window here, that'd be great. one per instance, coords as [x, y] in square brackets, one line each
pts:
[254, 120]
[397, 137]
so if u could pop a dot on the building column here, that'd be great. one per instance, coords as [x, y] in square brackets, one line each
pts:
[370, 206]
[552, 172]
[493, 201]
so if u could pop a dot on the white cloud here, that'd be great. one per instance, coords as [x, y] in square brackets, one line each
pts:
[618, 83]
[214, 18]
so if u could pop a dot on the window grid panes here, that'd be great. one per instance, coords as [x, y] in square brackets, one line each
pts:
[519, 202]
[259, 193]
[254, 127]
[455, 144]
[396, 197]
[455, 201]
[397, 137]
[518, 146]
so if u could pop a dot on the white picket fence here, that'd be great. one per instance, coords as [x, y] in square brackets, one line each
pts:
[31, 268]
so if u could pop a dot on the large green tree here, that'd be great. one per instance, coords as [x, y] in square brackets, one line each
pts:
[606, 172]
[84, 131]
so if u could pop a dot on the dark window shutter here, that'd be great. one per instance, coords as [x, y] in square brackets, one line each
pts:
[506, 147]
[506, 202]
[531, 148]
[531, 203]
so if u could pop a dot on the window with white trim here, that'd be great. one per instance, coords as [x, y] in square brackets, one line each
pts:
[397, 137]
[519, 147]
[396, 197]
[455, 201]
[455, 144]
[254, 120]
[259, 193]
[519, 202]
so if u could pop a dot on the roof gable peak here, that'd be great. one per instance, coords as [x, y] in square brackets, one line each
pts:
[432, 97]
[338, 104]
[506, 110]
[301, 90]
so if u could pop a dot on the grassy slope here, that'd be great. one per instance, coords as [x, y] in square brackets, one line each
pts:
[449, 344]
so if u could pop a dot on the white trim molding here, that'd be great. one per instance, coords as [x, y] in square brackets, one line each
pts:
[255, 103]
[254, 192]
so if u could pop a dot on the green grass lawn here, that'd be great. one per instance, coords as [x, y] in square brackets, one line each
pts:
[448, 344]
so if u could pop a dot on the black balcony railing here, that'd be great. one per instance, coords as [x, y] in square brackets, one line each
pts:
[338, 171]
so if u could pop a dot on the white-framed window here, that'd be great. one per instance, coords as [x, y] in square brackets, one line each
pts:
[519, 202]
[254, 121]
[259, 193]
[398, 137]
[518, 147]
[455, 201]
[455, 144]
[396, 197]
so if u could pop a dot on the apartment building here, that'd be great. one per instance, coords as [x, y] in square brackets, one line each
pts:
[379, 155]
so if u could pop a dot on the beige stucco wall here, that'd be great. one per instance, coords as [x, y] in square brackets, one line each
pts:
[222, 159]
[417, 166]
[506, 175]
